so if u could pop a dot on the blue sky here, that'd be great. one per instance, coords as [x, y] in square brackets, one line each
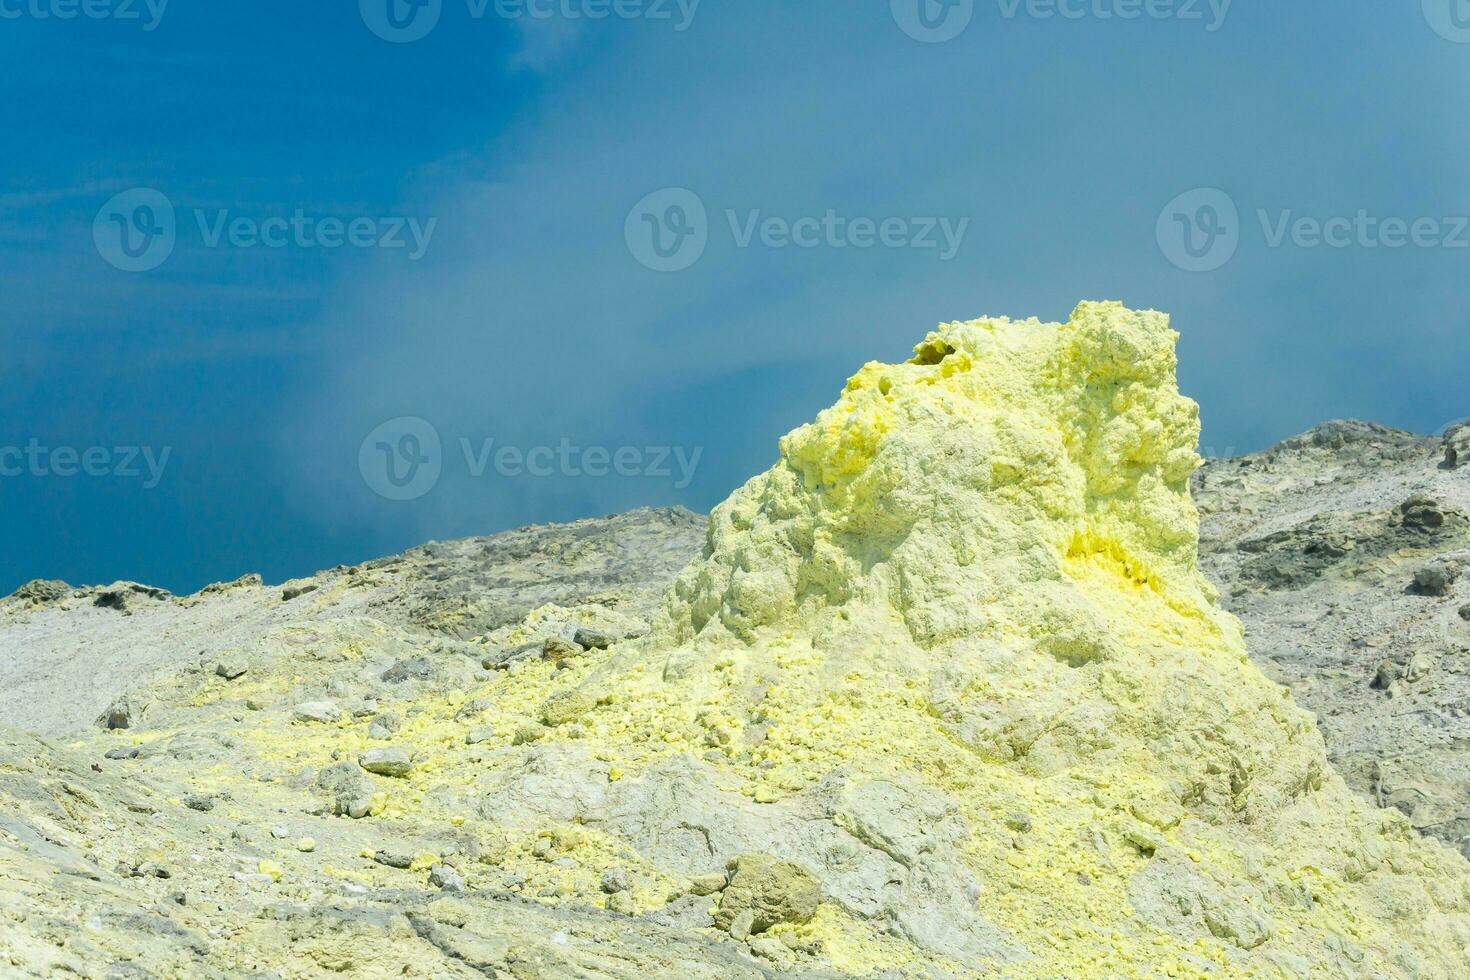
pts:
[842, 186]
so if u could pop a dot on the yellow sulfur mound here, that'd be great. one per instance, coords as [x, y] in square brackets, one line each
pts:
[970, 588]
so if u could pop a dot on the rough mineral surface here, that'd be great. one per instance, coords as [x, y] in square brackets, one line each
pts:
[945, 694]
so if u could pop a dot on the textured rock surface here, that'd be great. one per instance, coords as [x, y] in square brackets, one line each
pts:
[1317, 545]
[952, 658]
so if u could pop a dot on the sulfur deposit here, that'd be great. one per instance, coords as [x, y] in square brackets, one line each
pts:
[944, 695]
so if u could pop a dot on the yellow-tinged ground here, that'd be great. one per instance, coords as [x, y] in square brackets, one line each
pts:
[976, 572]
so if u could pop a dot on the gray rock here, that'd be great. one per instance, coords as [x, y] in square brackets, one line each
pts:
[393, 859]
[231, 668]
[1385, 674]
[740, 925]
[1433, 580]
[385, 726]
[684, 913]
[387, 761]
[708, 884]
[125, 712]
[40, 592]
[772, 891]
[591, 639]
[559, 650]
[445, 878]
[506, 659]
[1457, 446]
[323, 712]
[347, 788]
[774, 951]
[414, 669]
[297, 590]
[566, 706]
[615, 880]
[125, 597]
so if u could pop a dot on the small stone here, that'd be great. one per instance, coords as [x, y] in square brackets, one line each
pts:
[445, 878]
[324, 712]
[231, 668]
[527, 733]
[771, 890]
[1457, 446]
[741, 925]
[1019, 822]
[1465, 612]
[773, 951]
[615, 880]
[1420, 666]
[622, 903]
[385, 726]
[558, 650]
[297, 590]
[543, 848]
[201, 803]
[708, 884]
[1422, 512]
[280, 832]
[1145, 843]
[391, 859]
[387, 761]
[479, 735]
[415, 669]
[473, 708]
[1384, 675]
[128, 752]
[591, 639]
[252, 704]
[151, 868]
[510, 659]
[306, 845]
[566, 706]
[1433, 580]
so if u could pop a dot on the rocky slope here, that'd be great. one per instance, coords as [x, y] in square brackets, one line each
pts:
[942, 694]
[1344, 551]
